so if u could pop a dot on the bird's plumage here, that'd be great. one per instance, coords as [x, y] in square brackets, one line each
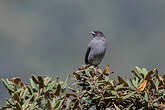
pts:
[96, 49]
[87, 54]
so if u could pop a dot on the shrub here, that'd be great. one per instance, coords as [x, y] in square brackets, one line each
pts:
[41, 93]
[92, 88]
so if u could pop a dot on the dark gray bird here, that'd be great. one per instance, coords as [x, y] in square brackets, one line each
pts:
[96, 49]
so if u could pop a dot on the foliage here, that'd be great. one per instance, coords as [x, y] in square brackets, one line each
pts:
[145, 91]
[41, 93]
[92, 88]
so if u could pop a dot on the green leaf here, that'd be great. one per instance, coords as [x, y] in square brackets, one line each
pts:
[145, 72]
[18, 106]
[33, 84]
[130, 84]
[91, 72]
[99, 71]
[110, 97]
[66, 82]
[106, 78]
[9, 87]
[33, 106]
[156, 104]
[108, 87]
[26, 102]
[24, 93]
[116, 107]
[97, 97]
[119, 86]
[100, 76]
[155, 69]
[114, 93]
[29, 89]
[111, 82]
[146, 96]
[121, 80]
[156, 99]
[137, 74]
[135, 84]
[128, 95]
[157, 84]
[84, 77]
[136, 80]
[87, 73]
[50, 86]
[31, 97]
[76, 83]
[10, 102]
[58, 105]
[129, 107]
[139, 70]
[152, 84]
[68, 104]
[47, 80]
[34, 79]
[161, 78]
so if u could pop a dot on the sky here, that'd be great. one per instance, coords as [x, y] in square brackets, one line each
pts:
[50, 37]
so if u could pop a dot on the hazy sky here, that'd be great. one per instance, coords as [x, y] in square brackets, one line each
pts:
[51, 36]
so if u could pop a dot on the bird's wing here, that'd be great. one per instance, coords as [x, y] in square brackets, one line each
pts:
[87, 54]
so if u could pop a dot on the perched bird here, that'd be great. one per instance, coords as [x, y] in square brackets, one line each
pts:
[96, 49]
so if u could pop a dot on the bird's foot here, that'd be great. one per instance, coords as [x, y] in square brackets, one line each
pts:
[83, 67]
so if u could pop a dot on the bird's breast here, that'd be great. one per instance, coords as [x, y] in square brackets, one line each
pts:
[97, 52]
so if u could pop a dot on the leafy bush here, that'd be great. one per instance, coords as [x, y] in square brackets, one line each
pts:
[92, 88]
[41, 93]
[145, 91]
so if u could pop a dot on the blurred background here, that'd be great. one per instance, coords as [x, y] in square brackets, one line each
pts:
[50, 37]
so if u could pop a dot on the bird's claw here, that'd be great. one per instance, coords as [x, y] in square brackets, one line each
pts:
[83, 67]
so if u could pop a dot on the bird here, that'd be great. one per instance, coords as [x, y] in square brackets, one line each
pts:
[96, 49]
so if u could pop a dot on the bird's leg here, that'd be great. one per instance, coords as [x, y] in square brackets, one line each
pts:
[87, 65]
[83, 66]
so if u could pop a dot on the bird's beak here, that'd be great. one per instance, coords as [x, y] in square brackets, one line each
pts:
[92, 34]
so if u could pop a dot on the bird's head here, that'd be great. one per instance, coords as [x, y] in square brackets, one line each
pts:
[96, 34]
